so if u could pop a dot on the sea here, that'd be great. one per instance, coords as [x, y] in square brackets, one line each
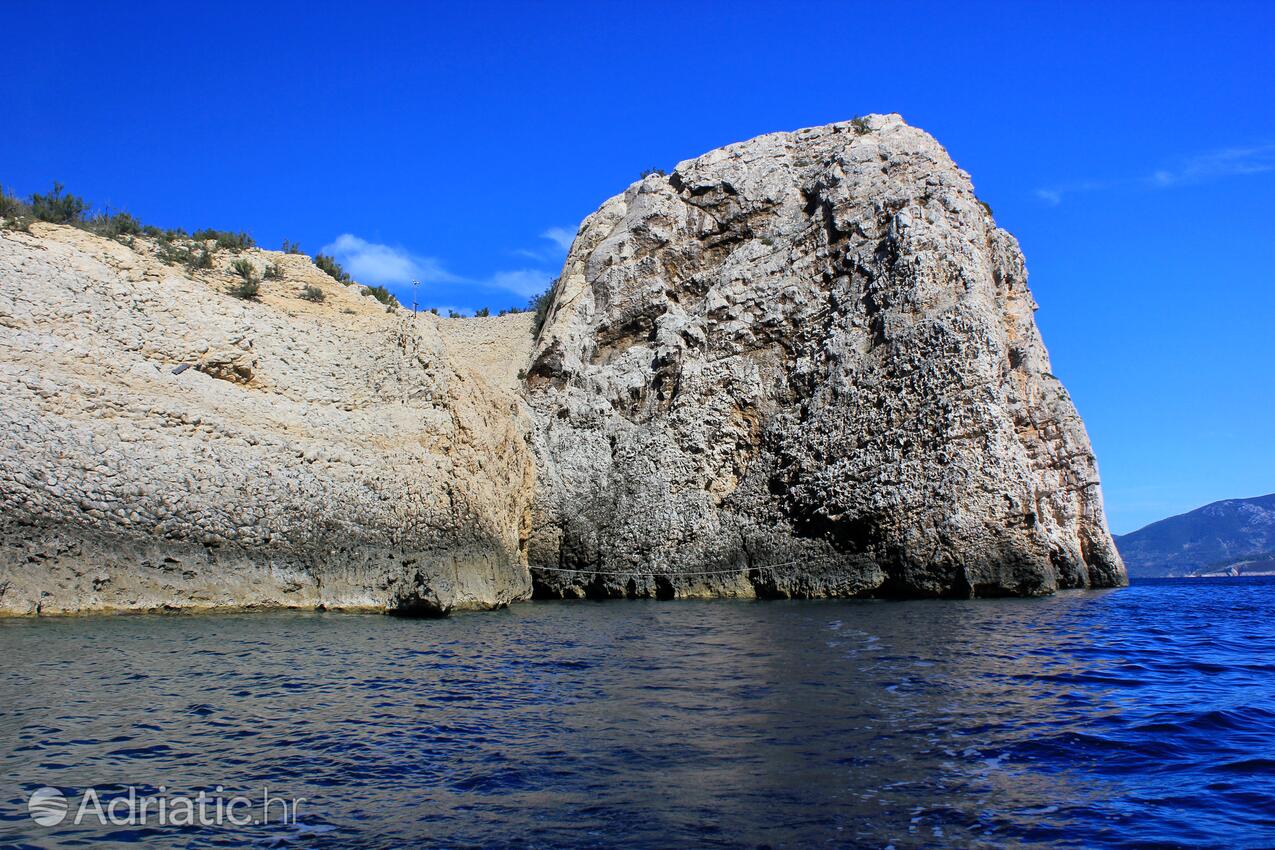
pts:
[1142, 717]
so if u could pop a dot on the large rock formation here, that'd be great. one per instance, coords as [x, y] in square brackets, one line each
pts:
[806, 365]
[166, 445]
[803, 365]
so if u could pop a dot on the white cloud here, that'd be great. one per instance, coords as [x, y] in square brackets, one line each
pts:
[375, 263]
[524, 282]
[1227, 162]
[1212, 165]
[1054, 196]
[560, 236]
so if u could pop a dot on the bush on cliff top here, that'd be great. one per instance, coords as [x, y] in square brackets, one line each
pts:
[380, 293]
[225, 238]
[540, 304]
[332, 267]
[11, 206]
[57, 207]
[15, 212]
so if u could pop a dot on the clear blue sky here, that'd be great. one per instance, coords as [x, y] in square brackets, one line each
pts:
[1129, 146]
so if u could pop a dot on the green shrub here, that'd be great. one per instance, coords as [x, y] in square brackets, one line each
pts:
[434, 310]
[15, 212]
[987, 208]
[380, 293]
[312, 293]
[540, 305]
[332, 267]
[860, 125]
[452, 314]
[273, 272]
[12, 207]
[113, 226]
[482, 313]
[170, 252]
[244, 269]
[225, 239]
[246, 289]
[201, 259]
[250, 285]
[291, 247]
[58, 208]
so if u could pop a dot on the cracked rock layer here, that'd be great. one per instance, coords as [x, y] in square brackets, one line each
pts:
[806, 363]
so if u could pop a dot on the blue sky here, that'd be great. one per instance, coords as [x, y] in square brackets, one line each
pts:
[1130, 147]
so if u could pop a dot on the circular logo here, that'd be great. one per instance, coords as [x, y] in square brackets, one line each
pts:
[47, 806]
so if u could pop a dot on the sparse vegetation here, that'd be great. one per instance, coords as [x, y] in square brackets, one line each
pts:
[114, 226]
[434, 310]
[482, 313]
[225, 239]
[380, 293]
[332, 267]
[247, 288]
[290, 247]
[244, 269]
[860, 125]
[249, 285]
[15, 212]
[540, 305]
[312, 293]
[452, 314]
[273, 272]
[173, 253]
[58, 207]
[987, 208]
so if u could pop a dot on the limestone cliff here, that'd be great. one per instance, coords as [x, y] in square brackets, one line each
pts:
[803, 365]
[166, 445]
[806, 365]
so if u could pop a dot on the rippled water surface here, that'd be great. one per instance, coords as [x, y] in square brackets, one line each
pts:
[1135, 718]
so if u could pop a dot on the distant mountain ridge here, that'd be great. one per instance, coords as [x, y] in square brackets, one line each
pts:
[1207, 539]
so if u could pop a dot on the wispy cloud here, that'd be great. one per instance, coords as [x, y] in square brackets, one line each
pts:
[1055, 195]
[1228, 162]
[1212, 165]
[375, 263]
[561, 239]
[561, 236]
[524, 282]
[378, 263]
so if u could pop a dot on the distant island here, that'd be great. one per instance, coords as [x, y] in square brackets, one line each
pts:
[1231, 537]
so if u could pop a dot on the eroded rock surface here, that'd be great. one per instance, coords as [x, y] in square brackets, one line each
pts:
[806, 365]
[166, 445]
[803, 365]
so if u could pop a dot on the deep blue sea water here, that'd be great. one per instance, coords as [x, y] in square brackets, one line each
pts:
[1142, 717]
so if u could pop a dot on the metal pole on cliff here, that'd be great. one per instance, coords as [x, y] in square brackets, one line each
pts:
[415, 285]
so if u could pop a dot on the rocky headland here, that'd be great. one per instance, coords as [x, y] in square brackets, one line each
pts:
[803, 365]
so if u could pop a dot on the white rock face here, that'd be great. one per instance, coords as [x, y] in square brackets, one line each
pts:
[166, 445]
[806, 365]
